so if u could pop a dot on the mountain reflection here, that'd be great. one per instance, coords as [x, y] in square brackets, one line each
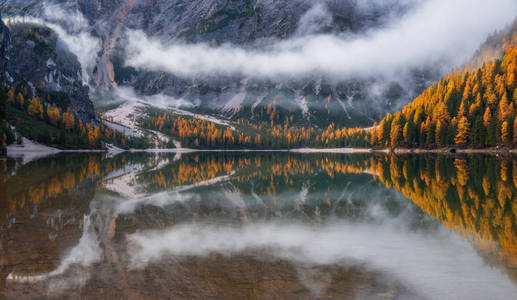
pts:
[338, 226]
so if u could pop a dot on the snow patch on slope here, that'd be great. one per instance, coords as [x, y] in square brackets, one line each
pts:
[203, 117]
[127, 115]
[234, 105]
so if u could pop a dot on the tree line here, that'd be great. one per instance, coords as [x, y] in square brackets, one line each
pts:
[47, 123]
[472, 107]
[200, 133]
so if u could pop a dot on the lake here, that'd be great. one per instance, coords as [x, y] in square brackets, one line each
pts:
[258, 226]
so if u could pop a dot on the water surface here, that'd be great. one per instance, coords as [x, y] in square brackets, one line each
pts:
[258, 226]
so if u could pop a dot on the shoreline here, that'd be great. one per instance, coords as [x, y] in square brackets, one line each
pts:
[49, 151]
[450, 151]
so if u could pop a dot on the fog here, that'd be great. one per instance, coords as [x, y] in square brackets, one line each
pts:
[128, 94]
[436, 266]
[434, 31]
[72, 29]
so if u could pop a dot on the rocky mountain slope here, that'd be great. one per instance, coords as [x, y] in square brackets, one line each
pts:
[251, 24]
[43, 63]
[37, 62]
[5, 44]
[5, 49]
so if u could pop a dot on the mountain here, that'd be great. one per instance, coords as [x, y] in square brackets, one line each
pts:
[5, 49]
[252, 24]
[42, 88]
[5, 45]
[123, 53]
[43, 64]
[35, 59]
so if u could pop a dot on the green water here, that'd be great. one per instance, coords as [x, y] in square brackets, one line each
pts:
[258, 226]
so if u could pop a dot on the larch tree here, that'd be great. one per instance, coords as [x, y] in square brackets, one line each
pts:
[10, 96]
[68, 119]
[53, 114]
[504, 111]
[441, 113]
[35, 108]
[487, 117]
[395, 136]
[505, 133]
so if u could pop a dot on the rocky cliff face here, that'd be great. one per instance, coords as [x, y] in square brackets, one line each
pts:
[253, 24]
[40, 60]
[249, 24]
[5, 45]
[5, 49]
[33, 57]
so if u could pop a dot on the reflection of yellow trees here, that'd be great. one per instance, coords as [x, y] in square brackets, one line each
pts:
[193, 171]
[262, 169]
[462, 171]
[504, 170]
[476, 197]
[59, 184]
[473, 196]
[448, 189]
[488, 212]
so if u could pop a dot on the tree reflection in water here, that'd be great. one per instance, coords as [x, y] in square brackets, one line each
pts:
[262, 225]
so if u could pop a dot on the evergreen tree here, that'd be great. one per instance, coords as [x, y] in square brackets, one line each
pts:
[462, 137]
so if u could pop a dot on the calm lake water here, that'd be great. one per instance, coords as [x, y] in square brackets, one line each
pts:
[258, 226]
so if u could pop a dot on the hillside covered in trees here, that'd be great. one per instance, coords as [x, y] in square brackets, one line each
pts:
[472, 107]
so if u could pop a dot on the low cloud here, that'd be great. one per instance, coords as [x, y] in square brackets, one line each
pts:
[433, 31]
[72, 28]
[128, 94]
[72, 20]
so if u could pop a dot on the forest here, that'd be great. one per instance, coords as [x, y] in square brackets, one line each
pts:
[474, 107]
[470, 108]
[243, 134]
[46, 123]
